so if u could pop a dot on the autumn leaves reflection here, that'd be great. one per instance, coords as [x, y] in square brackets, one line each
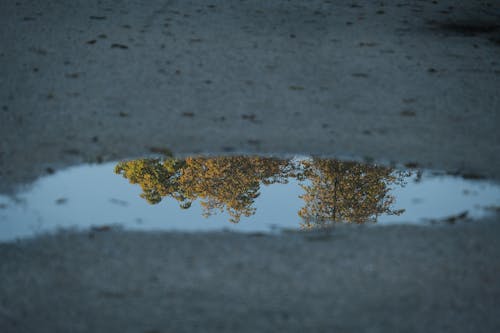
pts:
[335, 191]
[225, 183]
[346, 191]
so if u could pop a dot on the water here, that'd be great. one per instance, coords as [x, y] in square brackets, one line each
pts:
[301, 193]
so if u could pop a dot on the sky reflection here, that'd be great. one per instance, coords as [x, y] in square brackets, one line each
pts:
[93, 195]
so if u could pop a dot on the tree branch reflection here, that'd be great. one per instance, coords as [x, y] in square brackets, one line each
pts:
[335, 191]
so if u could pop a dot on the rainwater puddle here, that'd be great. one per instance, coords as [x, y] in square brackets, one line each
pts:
[240, 193]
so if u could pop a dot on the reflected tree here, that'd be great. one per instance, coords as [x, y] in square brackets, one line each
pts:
[158, 178]
[335, 191]
[222, 183]
[349, 192]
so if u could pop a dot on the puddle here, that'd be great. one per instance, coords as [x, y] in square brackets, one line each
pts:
[246, 194]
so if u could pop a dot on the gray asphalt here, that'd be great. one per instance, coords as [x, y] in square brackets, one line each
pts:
[398, 279]
[399, 81]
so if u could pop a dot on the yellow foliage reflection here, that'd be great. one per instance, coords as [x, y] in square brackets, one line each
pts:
[334, 191]
[222, 183]
[347, 192]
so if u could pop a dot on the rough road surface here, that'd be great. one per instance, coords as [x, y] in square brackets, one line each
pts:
[403, 81]
[398, 279]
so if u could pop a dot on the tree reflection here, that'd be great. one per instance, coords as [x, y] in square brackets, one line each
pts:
[346, 192]
[335, 191]
[222, 183]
